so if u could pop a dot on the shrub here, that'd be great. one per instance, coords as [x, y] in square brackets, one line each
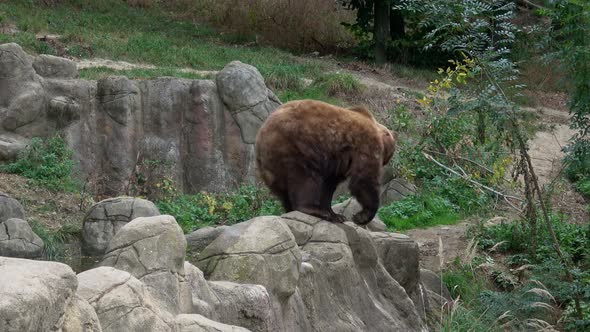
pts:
[47, 162]
[204, 209]
[418, 211]
[303, 25]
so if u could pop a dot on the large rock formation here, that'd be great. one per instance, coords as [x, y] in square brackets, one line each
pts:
[319, 276]
[106, 218]
[203, 129]
[34, 295]
[17, 239]
[289, 273]
[152, 250]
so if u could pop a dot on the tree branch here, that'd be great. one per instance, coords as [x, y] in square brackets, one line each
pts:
[466, 178]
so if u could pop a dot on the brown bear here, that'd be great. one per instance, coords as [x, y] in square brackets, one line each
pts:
[306, 148]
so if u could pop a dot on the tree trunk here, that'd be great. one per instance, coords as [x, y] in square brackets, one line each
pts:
[381, 30]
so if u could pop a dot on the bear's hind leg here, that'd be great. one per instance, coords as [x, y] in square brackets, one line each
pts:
[305, 194]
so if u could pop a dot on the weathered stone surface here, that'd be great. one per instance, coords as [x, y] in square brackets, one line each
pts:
[202, 299]
[152, 249]
[341, 283]
[10, 146]
[10, 208]
[350, 207]
[203, 130]
[106, 218]
[245, 305]
[14, 63]
[243, 91]
[259, 251]
[17, 239]
[343, 257]
[50, 66]
[80, 317]
[400, 256]
[198, 323]
[201, 238]
[121, 302]
[395, 190]
[34, 294]
[433, 283]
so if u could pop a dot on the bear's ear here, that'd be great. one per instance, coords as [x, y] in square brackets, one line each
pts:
[362, 110]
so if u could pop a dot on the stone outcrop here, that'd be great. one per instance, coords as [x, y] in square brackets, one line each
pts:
[106, 218]
[34, 295]
[201, 238]
[203, 129]
[340, 283]
[277, 273]
[10, 208]
[121, 302]
[152, 250]
[17, 239]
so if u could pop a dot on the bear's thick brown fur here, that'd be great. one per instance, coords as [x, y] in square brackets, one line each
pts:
[306, 148]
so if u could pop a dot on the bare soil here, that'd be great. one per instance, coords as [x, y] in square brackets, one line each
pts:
[52, 209]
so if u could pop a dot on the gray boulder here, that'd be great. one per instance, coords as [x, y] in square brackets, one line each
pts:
[50, 66]
[34, 295]
[80, 317]
[201, 238]
[152, 250]
[400, 256]
[17, 239]
[433, 283]
[203, 299]
[106, 218]
[121, 302]
[10, 208]
[10, 146]
[395, 190]
[245, 305]
[259, 251]
[198, 323]
[243, 91]
[351, 206]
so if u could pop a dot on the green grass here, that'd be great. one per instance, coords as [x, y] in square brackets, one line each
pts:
[54, 240]
[139, 73]
[419, 211]
[110, 29]
[46, 162]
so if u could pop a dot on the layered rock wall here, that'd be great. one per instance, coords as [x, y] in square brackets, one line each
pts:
[203, 129]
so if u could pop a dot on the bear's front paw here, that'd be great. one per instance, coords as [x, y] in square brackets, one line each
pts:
[337, 218]
[362, 218]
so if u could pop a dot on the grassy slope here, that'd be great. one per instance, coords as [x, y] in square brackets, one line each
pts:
[110, 29]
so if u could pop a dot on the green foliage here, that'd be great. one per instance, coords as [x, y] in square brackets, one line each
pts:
[203, 209]
[339, 84]
[515, 239]
[97, 73]
[47, 162]
[583, 186]
[54, 240]
[571, 39]
[419, 211]
[327, 87]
